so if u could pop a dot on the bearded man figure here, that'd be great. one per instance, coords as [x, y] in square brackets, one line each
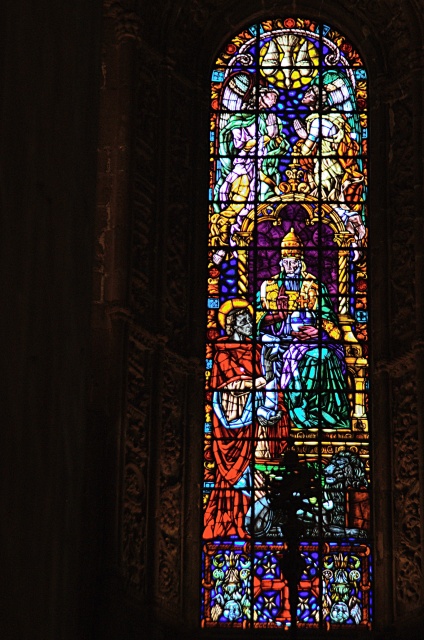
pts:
[243, 401]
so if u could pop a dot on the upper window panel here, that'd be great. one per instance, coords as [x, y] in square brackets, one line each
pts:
[286, 522]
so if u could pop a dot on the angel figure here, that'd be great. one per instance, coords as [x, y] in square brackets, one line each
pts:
[330, 147]
[250, 144]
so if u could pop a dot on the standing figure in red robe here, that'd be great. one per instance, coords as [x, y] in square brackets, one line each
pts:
[242, 392]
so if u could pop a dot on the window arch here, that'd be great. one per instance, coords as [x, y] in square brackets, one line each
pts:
[286, 436]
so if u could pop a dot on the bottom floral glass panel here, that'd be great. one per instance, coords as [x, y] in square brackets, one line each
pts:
[245, 587]
[346, 585]
[227, 584]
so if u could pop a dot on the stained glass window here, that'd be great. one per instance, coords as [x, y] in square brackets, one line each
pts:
[286, 491]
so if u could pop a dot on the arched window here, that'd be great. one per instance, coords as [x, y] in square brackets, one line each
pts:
[286, 535]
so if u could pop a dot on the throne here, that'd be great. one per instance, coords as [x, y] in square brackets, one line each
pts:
[270, 214]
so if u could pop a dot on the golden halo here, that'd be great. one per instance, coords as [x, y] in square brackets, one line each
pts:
[230, 305]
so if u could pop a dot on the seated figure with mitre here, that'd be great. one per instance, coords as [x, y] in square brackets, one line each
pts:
[295, 308]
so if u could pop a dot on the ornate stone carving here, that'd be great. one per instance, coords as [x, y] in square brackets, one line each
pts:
[398, 366]
[145, 197]
[179, 221]
[168, 573]
[127, 22]
[170, 465]
[134, 526]
[135, 480]
[138, 406]
[201, 11]
[170, 506]
[407, 536]
[401, 197]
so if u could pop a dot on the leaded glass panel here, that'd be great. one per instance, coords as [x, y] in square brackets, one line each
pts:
[286, 492]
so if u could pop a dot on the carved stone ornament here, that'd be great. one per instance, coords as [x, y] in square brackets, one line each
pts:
[407, 534]
[127, 22]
